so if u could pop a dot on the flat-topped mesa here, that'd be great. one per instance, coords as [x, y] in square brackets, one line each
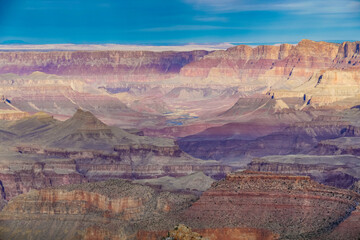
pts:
[295, 207]
[331, 169]
[254, 175]
[173, 151]
[249, 180]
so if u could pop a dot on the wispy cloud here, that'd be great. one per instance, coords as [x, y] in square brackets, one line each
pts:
[179, 28]
[223, 5]
[321, 7]
[210, 19]
[190, 28]
[297, 7]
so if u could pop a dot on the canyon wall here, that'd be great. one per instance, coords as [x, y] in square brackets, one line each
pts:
[294, 207]
[126, 65]
[244, 205]
[274, 63]
[244, 63]
[115, 209]
[197, 83]
[340, 171]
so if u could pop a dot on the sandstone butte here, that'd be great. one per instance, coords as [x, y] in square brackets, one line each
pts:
[244, 205]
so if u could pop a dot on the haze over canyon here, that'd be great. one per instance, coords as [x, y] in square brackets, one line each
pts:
[245, 142]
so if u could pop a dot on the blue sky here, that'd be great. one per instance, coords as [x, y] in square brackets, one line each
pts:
[178, 21]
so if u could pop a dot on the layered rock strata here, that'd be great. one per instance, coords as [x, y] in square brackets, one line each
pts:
[129, 65]
[114, 209]
[245, 205]
[294, 207]
[338, 171]
[339, 146]
[242, 147]
[40, 152]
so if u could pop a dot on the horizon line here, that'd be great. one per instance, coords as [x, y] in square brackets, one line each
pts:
[142, 47]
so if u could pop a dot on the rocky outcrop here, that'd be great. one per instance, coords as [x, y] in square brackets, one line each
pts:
[294, 207]
[183, 232]
[338, 171]
[210, 234]
[115, 209]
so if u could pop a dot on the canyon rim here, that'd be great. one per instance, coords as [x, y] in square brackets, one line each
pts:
[177, 120]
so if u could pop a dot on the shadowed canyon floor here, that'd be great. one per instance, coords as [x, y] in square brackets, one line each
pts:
[244, 143]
